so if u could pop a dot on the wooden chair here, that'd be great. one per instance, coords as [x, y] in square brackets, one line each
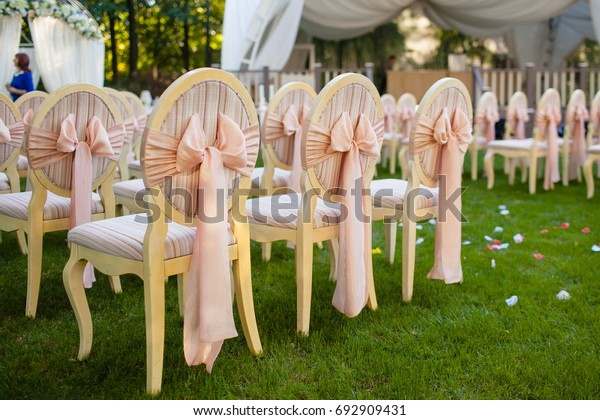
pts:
[446, 105]
[574, 141]
[390, 132]
[406, 108]
[30, 101]
[486, 117]
[517, 115]
[139, 109]
[347, 112]
[545, 143]
[593, 146]
[202, 138]
[12, 134]
[73, 115]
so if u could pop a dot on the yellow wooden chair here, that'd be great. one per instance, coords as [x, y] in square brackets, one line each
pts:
[574, 141]
[517, 116]
[429, 164]
[57, 131]
[346, 110]
[545, 143]
[486, 117]
[406, 107]
[30, 101]
[161, 243]
[593, 146]
[139, 109]
[12, 135]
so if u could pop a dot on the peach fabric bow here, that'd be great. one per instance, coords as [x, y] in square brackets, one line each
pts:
[12, 135]
[547, 121]
[486, 118]
[576, 117]
[208, 318]
[453, 136]
[289, 125]
[517, 117]
[404, 117]
[47, 147]
[389, 111]
[354, 264]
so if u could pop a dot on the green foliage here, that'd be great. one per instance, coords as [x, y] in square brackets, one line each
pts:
[455, 42]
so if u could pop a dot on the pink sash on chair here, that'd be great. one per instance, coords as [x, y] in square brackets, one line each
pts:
[547, 121]
[454, 136]
[289, 125]
[487, 118]
[404, 118]
[208, 318]
[576, 117]
[12, 135]
[389, 111]
[355, 259]
[47, 147]
[517, 117]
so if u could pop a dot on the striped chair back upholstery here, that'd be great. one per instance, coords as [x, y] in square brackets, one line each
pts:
[9, 114]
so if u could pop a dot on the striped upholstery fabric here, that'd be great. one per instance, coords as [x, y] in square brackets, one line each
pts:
[282, 211]
[124, 237]
[8, 118]
[595, 149]
[22, 163]
[56, 207]
[281, 177]
[390, 193]
[4, 185]
[129, 188]
[135, 165]
[31, 100]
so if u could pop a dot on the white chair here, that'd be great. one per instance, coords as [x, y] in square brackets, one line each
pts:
[593, 146]
[406, 108]
[486, 117]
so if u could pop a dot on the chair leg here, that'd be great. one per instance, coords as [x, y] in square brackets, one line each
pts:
[243, 291]
[474, 163]
[533, 175]
[488, 162]
[182, 279]
[154, 303]
[34, 268]
[266, 251]
[115, 284]
[304, 262]
[507, 165]
[523, 163]
[391, 228]
[589, 176]
[22, 242]
[393, 157]
[73, 282]
[333, 246]
[402, 161]
[565, 169]
[512, 163]
[409, 237]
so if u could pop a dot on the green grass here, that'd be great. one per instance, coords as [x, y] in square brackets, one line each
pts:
[451, 342]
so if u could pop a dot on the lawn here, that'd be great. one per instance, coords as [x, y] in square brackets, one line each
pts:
[452, 342]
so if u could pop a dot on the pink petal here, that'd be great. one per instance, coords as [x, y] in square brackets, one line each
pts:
[496, 242]
[490, 247]
[544, 231]
[538, 256]
[565, 225]
[586, 230]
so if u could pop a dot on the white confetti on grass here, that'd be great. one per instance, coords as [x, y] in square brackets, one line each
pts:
[432, 221]
[488, 238]
[501, 207]
[596, 248]
[504, 212]
[563, 295]
[498, 229]
[419, 241]
[493, 263]
[512, 301]
[419, 227]
[466, 243]
[518, 238]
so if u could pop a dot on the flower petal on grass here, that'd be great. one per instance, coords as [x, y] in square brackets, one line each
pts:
[504, 245]
[538, 256]
[466, 243]
[493, 263]
[512, 301]
[563, 295]
[544, 231]
[504, 212]
[501, 207]
[376, 251]
[586, 230]
[419, 227]
[419, 241]
[596, 248]
[518, 238]
[488, 238]
[496, 242]
[565, 225]
[498, 229]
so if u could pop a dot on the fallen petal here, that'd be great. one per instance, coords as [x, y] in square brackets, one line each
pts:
[586, 230]
[563, 295]
[538, 256]
[493, 263]
[432, 221]
[496, 242]
[498, 229]
[503, 246]
[504, 212]
[565, 225]
[518, 238]
[512, 301]
[544, 231]
[419, 227]
[488, 238]
[376, 251]
[490, 247]
[501, 207]
[419, 241]
[596, 248]
[466, 243]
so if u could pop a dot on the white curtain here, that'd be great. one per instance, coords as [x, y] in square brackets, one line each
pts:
[10, 35]
[64, 56]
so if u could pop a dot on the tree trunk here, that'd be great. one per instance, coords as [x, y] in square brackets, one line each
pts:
[133, 41]
[113, 47]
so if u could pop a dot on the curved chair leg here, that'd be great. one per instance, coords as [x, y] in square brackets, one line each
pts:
[304, 263]
[409, 237]
[73, 282]
[391, 228]
[333, 245]
[589, 176]
[154, 303]
[489, 168]
[34, 268]
[22, 242]
[533, 175]
[115, 284]
[243, 291]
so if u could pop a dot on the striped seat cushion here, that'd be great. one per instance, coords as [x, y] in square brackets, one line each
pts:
[513, 144]
[4, 185]
[282, 211]
[595, 149]
[22, 163]
[56, 207]
[129, 189]
[390, 136]
[390, 193]
[281, 177]
[135, 165]
[124, 237]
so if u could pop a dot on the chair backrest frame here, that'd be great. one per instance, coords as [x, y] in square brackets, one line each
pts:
[10, 114]
[517, 100]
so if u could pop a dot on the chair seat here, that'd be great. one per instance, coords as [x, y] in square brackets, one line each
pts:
[594, 150]
[514, 144]
[124, 237]
[390, 137]
[481, 140]
[282, 211]
[128, 189]
[135, 165]
[22, 163]
[390, 193]
[4, 185]
[56, 207]
[281, 177]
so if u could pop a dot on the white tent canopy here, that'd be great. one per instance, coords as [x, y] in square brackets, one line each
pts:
[262, 32]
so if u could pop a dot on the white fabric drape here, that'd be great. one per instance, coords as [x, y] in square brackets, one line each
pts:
[523, 22]
[64, 56]
[10, 34]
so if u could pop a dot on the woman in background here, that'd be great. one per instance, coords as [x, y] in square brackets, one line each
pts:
[22, 81]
